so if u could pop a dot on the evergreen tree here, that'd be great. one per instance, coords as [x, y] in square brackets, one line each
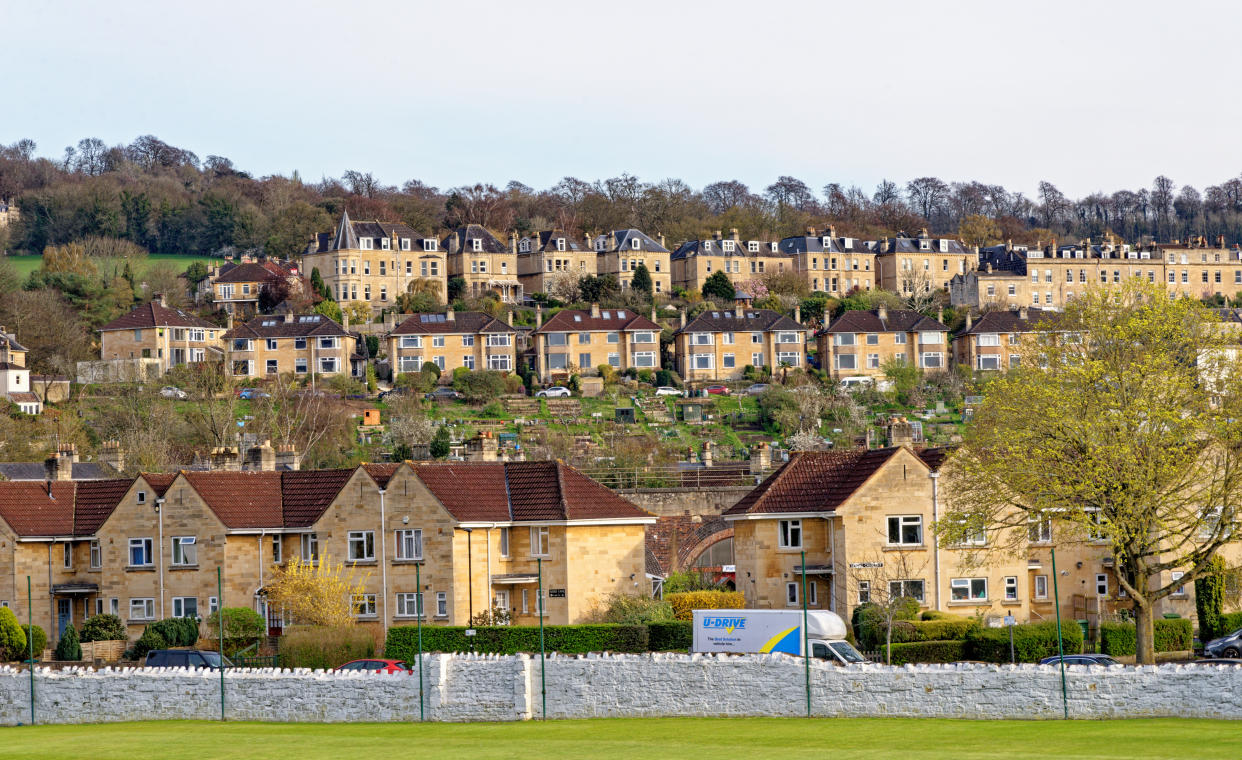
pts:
[69, 649]
[642, 280]
[440, 443]
[718, 287]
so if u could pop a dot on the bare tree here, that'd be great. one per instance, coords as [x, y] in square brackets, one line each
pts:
[891, 585]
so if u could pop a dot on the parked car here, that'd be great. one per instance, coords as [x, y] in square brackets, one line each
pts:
[1217, 661]
[556, 391]
[442, 394]
[756, 389]
[667, 390]
[1081, 659]
[718, 390]
[252, 393]
[185, 658]
[1226, 646]
[378, 666]
[172, 391]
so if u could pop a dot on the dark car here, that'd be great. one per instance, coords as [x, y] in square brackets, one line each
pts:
[378, 666]
[442, 394]
[1229, 645]
[1081, 659]
[185, 658]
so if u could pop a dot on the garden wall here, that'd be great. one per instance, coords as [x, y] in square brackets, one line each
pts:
[496, 688]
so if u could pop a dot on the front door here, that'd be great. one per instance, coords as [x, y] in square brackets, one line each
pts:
[64, 616]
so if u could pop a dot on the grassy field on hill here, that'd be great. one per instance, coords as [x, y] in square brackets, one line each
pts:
[27, 264]
[751, 738]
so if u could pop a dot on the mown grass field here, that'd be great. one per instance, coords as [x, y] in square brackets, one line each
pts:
[27, 264]
[748, 738]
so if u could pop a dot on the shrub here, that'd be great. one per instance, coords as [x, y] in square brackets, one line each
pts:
[150, 639]
[68, 649]
[632, 609]
[1229, 622]
[431, 368]
[670, 635]
[935, 615]
[928, 651]
[243, 627]
[12, 637]
[106, 627]
[322, 648]
[690, 580]
[665, 378]
[646, 376]
[440, 443]
[686, 602]
[177, 632]
[40, 638]
[1210, 599]
[480, 386]
[953, 627]
[1031, 641]
[402, 641]
[1117, 639]
[1169, 636]
[869, 622]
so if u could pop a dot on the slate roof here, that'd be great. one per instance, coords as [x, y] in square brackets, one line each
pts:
[813, 481]
[37, 471]
[465, 322]
[9, 340]
[911, 245]
[345, 238]
[576, 320]
[297, 327]
[154, 315]
[546, 241]
[740, 248]
[1008, 322]
[469, 232]
[895, 320]
[623, 242]
[752, 320]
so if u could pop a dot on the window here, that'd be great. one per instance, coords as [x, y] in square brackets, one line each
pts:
[1175, 576]
[1039, 530]
[361, 545]
[843, 339]
[327, 364]
[730, 361]
[791, 594]
[645, 337]
[864, 592]
[842, 361]
[700, 339]
[989, 362]
[702, 361]
[409, 544]
[910, 589]
[299, 366]
[644, 359]
[310, 547]
[933, 360]
[1041, 587]
[899, 338]
[989, 339]
[792, 337]
[726, 338]
[467, 361]
[1101, 584]
[96, 556]
[968, 589]
[363, 604]
[872, 339]
[410, 605]
[141, 609]
[411, 341]
[506, 340]
[1011, 588]
[184, 550]
[441, 604]
[272, 366]
[278, 550]
[185, 606]
[538, 541]
[757, 359]
[789, 358]
[504, 542]
[1096, 528]
[500, 362]
[467, 341]
[812, 594]
[790, 534]
[905, 530]
[140, 552]
[437, 341]
[114, 606]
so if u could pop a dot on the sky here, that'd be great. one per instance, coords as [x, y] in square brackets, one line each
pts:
[1089, 95]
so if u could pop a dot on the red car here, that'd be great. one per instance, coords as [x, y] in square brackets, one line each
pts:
[717, 390]
[378, 666]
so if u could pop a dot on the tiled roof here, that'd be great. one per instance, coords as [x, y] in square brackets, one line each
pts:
[584, 499]
[159, 481]
[467, 322]
[23, 397]
[381, 473]
[95, 501]
[935, 457]
[574, 320]
[254, 272]
[38, 509]
[625, 240]
[752, 320]
[653, 564]
[306, 494]
[469, 491]
[297, 326]
[895, 320]
[1009, 321]
[813, 481]
[240, 499]
[153, 315]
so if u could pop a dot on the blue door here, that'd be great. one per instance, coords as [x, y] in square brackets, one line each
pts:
[64, 616]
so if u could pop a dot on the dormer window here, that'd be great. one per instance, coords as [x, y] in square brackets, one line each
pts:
[773, 247]
[476, 244]
[560, 244]
[924, 245]
[386, 244]
[753, 246]
[827, 243]
[636, 244]
[728, 246]
[944, 245]
[430, 244]
[364, 243]
[405, 244]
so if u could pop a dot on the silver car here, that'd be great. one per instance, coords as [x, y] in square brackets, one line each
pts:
[1226, 646]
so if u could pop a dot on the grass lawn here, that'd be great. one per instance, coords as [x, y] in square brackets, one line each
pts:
[27, 264]
[749, 738]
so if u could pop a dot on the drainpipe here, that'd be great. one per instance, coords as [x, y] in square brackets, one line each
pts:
[935, 479]
[383, 565]
[159, 510]
[51, 597]
[832, 553]
[488, 536]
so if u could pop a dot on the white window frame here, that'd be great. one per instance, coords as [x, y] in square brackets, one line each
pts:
[146, 607]
[902, 522]
[791, 594]
[147, 546]
[410, 604]
[179, 606]
[96, 555]
[1010, 583]
[905, 585]
[540, 541]
[967, 589]
[363, 605]
[409, 544]
[181, 557]
[310, 547]
[361, 546]
[441, 604]
[504, 542]
[1101, 584]
[789, 534]
[864, 592]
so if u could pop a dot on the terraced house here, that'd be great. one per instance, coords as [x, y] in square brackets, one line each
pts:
[581, 341]
[861, 343]
[148, 547]
[550, 257]
[155, 331]
[620, 252]
[483, 263]
[469, 339]
[998, 339]
[375, 262]
[909, 265]
[831, 264]
[268, 346]
[719, 345]
[742, 260]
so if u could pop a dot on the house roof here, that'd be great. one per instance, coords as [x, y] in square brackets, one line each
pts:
[254, 272]
[546, 241]
[154, 315]
[240, 499]
[306, 494]
[95, 501]
[625, 240]
[913, 245]
[60, 508]
[467, 322]
[935, 457]
[293, 327]
[1009, 321]
[716, 248]
[751, 320]
[37, 471]
[576, 320]
[894, 320]
[813, 481]
[491, 244]
[381, 473]
[347, 233]
[9, 340]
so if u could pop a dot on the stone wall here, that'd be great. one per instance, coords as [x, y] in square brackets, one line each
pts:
[687, 520]
[495, 688]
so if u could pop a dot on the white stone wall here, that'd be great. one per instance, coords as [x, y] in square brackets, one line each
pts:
[495, 688]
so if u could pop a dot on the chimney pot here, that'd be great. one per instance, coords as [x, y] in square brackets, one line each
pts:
[594, 311]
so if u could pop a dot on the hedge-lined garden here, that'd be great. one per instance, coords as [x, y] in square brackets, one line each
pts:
[402, 641]
[1118, 639]
[1032, 642]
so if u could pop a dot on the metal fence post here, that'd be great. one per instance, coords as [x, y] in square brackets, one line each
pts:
[1056, 596]
[806, 638]
[418, 585]
[220, 613]
[543, 682]
[30, 646]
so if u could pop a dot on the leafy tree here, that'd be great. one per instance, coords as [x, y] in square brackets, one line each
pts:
[272, 294]
[440, 443]
[1122, 439]
[1210, 598]
[330, 309]
[456, 288]
[479, 386]
[318, 286]
[195, 273]
[719, 287]
[978, 229]
[642, 280]
[242, 628]
[596, 289]
[68, 649]
[36, 638]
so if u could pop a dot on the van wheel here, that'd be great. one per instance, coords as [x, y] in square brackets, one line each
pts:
[1231, 652]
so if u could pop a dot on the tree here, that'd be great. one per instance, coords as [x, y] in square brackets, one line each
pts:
[719, 287]
[440, 443]
[883, 581]
[317, 284]
[316, 593]
[1210, 598]
[1129, 432]
[599, 288]
[641, 283]
[979, 230]
[330, 309]
[68, 649]
[273, 293]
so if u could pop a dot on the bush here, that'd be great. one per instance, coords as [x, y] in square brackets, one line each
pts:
[104, 627]
[480, 386]
[243, 627]
[868, 623]
[68, 649]
[177, 632]
[935, 615]
[40, 638]
[323, 648]
[568, 639]
[1118, 639]
[928, 651]
[671, 635]
[1229, 622]
[150, 639]
[690, 580]
[686, 602]
[431, 368]
[632, 609]
[12, 637]
[952, 628]
[666, 379]
[1031, 642]
[646, 376]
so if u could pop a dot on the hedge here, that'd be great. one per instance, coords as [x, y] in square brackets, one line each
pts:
[105, 627]
[402, 640]
[928, 651]
[1170, 636]
[322, 647]
[1229, 622]
[675, 634]
[686, 602]
[40, 638]
[1031, 642]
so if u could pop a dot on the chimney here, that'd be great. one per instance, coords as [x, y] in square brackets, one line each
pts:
[288, 317]
[718, 236]
[923, 233]
[594, 311]
[390, 321]
[707, 453]
[287, 458]
[226, 459]
[229, 321]
[68, 451]
[345, 320]
[1023, 313]
[940, 315]
[509, 317]
[810, 231]
[612, 241]
[760, 458]
[589, 244]
[660, 239]
[653, 313]
[450, 316]
[989, 267]
[734, 236]
[454, 242]
[797, 313]
[112, 455]
[513, 241]
[882, 313]
[1220, 243]
[1009, 244]
[160, 297]
[969, 320]
[261, 458]
[832, 231]
[538, 316]
[58, 468]
[683, 317]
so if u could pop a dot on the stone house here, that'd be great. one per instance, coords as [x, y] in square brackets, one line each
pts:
[375, 262]
[831, 264]
[155, 331]
[469, 339]
[483, 262]
[719, 345]
[547, 257]
[997, 339]
[905, 265]
[860, 343]
[235, 288]
[15, 382]
[742, 260]
[580, 341]
[619, 253]
[268, 346]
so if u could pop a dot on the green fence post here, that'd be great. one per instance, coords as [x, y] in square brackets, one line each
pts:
[543, 683]
[1056, 596]
[418, 621]
[220, 616]
[30, 645]
[806, 639]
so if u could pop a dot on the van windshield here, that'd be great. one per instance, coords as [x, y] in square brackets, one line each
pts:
[846, 652]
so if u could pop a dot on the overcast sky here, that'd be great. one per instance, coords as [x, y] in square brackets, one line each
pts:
[1089, 95]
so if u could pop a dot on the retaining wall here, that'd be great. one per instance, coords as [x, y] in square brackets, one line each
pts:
[503, 688]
